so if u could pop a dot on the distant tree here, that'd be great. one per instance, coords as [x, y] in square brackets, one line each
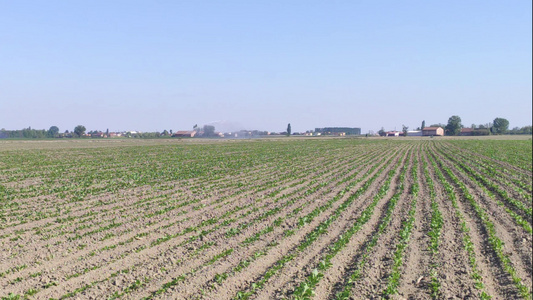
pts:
[500, 126]
[382, 132]
[423, 125]
[148, 135]
[209, 130]
[526, 130]
[515, 130]
[53, 131]
[404, 129]
[170, 131]
[481, 126]
[473, 126]
[107, 132]
[454, 125]
[289, 129]
[479, 131]
[164, 133]
[79, 130]
[26, 132]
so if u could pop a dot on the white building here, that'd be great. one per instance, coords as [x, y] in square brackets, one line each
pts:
[414, 133]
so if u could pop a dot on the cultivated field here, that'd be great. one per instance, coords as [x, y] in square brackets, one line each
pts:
[266, 219]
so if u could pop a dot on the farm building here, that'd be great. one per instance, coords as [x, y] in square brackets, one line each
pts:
[392, 133]
[338, 131]
[433, 131]
[184, 133]
[414, 133]
[467, 131]
[472, 131]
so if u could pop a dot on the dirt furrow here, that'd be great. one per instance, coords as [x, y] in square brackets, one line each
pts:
[517, 243]
[125, 198]
[234, 284]
[418, 260]
[453, 271]
[152, 251]
[119, 251]
[88, 240]
[306, 261]
[275, 236]
[379, 261]
[497, 282]
[494, 161]
[220, 241]
[517, 193]
[506, 226]
[335, 276]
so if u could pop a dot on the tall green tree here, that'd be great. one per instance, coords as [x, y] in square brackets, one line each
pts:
[53, 131]
[500, 126]
[423, 125]
[79, 130]
[454, 125]
[209, 130]
[289, 129]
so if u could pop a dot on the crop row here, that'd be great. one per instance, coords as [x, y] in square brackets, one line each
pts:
[302, 221]
[312, 236]
[494, 241]
[200, 235]
[159, 241]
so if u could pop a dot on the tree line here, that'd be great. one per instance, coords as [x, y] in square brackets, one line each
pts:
[454, 127]
[498, 126]
[52, 132]
[81, 131]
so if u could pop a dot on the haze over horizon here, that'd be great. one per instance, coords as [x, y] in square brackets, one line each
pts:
[156, 65]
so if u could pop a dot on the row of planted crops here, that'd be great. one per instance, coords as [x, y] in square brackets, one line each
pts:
[267, 219]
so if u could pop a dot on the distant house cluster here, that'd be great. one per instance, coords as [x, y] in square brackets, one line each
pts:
[427, 131]
[235, 134]
[101, 134]
[439, 131]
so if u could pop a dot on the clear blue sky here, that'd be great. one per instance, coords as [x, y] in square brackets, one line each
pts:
[155, 65]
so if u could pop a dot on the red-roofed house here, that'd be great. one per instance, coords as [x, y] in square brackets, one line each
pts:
[184, 133]
[467, 131]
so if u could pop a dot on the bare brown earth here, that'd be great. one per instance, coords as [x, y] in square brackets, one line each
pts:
[201, 219]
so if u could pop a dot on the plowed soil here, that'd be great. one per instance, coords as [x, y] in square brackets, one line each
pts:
[265, 219]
